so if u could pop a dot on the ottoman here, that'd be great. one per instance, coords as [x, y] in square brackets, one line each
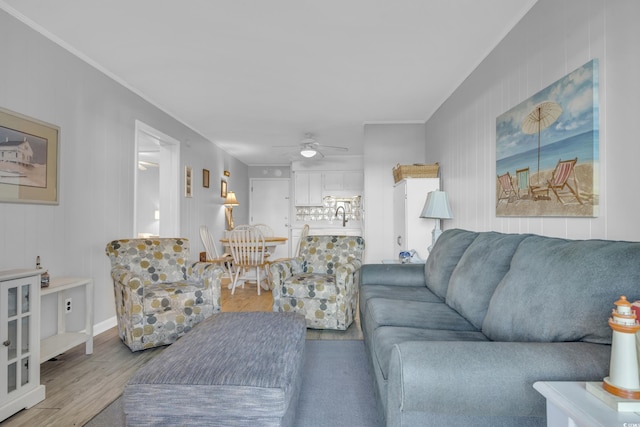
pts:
[233, 369]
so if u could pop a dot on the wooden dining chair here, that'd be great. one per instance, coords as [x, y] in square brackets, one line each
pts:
[226, 260]
[303, 236]
[266, 230]
[248, 250]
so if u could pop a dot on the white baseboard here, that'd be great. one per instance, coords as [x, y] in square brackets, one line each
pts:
[105, 325]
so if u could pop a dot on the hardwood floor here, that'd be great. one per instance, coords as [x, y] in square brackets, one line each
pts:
[79, 386]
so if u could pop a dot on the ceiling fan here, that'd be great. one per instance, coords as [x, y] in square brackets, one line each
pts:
[309, 147]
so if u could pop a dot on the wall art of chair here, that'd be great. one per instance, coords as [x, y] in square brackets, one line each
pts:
[160, 294]
[559, 181]
[322, 283]
[507, 191]
[526, 190]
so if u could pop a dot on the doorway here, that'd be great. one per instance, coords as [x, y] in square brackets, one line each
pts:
[156, 207]
[269, 205]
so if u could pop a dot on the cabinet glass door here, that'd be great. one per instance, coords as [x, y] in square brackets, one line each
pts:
[17, 341]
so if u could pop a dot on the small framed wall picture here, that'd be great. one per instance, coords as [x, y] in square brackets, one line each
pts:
[205, 178]
[188, 188]
[223, 189]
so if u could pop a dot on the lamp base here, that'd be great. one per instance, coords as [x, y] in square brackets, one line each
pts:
[229, 214]
[435, 233]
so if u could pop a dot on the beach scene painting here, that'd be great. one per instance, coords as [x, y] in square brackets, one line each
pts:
[547, 150]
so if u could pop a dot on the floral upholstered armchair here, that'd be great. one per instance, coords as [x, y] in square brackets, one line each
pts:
[160, 294]
[322, 283]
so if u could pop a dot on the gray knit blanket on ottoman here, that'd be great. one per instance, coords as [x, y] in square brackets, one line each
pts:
[233, 369]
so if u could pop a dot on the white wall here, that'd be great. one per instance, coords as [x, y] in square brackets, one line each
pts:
[553, 39]
[97, 117]
[385, 146]
[148, 201]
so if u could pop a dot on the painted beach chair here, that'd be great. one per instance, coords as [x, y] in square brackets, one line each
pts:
[560, 180]
[507, 191]
[534, 192]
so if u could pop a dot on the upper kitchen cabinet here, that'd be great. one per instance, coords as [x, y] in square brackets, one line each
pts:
[307, 188]
[352, 181]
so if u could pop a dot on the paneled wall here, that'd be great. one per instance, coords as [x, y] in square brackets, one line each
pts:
[97, 117]
[553, 39]
[385, 146]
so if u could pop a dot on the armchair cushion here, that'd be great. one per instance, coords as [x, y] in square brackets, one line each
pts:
[160, 295]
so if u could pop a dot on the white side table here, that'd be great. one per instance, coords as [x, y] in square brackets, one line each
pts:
[63, 340]
[569, 404]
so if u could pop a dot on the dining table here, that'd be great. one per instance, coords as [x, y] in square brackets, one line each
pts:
[270, 242]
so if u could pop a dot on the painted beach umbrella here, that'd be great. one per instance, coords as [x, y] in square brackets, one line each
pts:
[541, 117]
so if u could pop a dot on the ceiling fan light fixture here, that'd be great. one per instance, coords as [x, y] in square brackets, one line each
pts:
[308, 152]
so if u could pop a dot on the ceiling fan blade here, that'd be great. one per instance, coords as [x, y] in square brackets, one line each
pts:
[333, 147]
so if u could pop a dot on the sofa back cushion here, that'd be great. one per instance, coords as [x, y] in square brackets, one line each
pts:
[444, 257]
[563, 290]
[480, 269]
[154, 259]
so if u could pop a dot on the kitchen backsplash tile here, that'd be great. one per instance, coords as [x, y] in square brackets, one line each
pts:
[326, 212]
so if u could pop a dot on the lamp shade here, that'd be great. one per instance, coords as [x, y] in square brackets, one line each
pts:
[231, 199]
[437, 206]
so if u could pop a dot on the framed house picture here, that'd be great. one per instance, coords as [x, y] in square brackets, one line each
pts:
[28, 159]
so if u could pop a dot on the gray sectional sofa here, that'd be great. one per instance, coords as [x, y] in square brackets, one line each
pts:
[461, 339]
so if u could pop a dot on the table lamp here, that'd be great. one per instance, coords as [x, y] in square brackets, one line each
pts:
[436, 207]
[229, 203]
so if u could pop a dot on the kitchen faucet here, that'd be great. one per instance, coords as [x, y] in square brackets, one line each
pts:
[344, 215]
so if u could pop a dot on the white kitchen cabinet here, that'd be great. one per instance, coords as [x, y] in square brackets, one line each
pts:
[307, 188]
[409, 230]
[20, 336]
[343, 181]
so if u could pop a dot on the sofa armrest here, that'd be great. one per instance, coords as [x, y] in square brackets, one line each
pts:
[282, 269]
[393, 274]
[279, 271]
[208, 273]
[345, 274]
[493, 379]
[129, 283]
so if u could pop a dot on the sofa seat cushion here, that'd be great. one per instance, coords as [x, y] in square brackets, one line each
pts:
[414, 314]
[410, 293]
[444, 257]
[480, 269]
[181, 295]
[310, 285]
[562, 290]
[385, 337]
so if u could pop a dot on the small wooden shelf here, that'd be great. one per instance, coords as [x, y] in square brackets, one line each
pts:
[62, 341]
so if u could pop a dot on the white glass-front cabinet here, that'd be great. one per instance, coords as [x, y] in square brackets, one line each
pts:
[20, 337]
